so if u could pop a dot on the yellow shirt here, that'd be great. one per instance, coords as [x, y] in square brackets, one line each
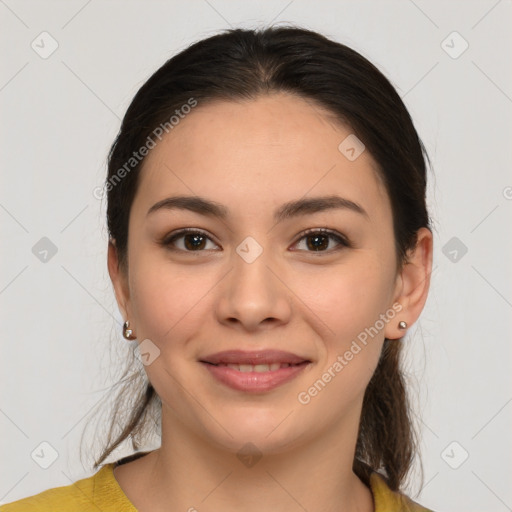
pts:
[101, 492]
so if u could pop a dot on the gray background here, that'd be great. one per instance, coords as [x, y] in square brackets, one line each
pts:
[61, 332]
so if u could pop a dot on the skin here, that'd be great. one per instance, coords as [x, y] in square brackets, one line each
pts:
[252, 156]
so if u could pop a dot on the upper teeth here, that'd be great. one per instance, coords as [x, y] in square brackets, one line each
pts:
[256, 367]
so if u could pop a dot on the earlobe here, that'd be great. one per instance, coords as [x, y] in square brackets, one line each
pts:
[118, 279]
[413, 284]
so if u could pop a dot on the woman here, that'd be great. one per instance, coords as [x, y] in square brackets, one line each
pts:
[269, 248]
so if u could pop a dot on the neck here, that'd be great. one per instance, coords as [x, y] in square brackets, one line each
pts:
[189, 473]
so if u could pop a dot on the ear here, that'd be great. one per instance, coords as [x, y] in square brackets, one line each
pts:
[413, 283]
[119, 280]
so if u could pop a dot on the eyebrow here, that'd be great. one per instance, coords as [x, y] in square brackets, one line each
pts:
[286, 211]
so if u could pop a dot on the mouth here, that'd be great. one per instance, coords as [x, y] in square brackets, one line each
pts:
[254, 371]
[254, 358]
[259, 368]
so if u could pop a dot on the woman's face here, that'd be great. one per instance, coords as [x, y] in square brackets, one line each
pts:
[252, 280]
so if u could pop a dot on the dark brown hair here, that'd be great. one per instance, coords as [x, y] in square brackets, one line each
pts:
[243, 64]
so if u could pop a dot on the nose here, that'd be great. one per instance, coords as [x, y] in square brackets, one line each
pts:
[253, 296]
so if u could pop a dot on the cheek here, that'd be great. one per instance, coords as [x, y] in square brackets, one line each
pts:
[349, 304]
[349, 301]
[347, 298]
[167, 300]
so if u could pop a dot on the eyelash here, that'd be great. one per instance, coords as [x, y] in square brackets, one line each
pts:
[342, 240]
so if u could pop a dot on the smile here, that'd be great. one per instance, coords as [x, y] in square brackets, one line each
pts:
[245, 368]
[259, 378]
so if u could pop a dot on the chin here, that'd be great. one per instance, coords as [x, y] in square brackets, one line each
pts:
[269, 431]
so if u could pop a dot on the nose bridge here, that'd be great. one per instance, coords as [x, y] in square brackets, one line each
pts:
[252, 293]
[252, 279]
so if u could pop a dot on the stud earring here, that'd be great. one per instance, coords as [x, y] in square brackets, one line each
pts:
[127, 332]
[402, 325]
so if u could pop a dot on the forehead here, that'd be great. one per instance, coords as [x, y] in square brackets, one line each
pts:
[256, 154]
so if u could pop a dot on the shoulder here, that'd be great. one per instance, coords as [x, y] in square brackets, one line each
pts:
[386, 500]
[98, 492]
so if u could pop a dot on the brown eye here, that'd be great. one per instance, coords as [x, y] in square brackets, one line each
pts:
[318, 240]
[193, 241]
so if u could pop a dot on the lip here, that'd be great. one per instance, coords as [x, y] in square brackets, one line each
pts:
[254, 357]
[254, 381]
